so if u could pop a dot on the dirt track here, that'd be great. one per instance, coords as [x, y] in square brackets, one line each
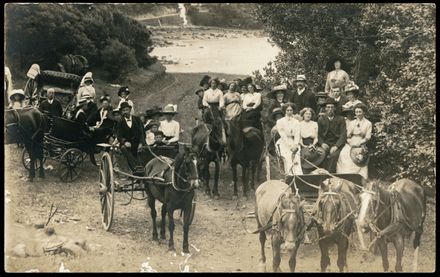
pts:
[217, 231]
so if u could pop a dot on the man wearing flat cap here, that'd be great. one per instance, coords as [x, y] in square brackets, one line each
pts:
[332, 134]
[302, 96]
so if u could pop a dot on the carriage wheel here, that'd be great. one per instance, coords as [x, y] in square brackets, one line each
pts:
[26, 159]
[107, 191]
[70, 163]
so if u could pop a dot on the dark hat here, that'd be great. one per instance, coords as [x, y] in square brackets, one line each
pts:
[104, 97]
[330, 65]
[159, 133]
[246, 81]
[322, 94]
[329, 100]
[155, 110]
[205, 80]
[199, 90]
[153, 123]
[275, 112]
[347, 110]
[275, 89]
[124, 105]
[123, 89]
[315, 156]
[359, 155]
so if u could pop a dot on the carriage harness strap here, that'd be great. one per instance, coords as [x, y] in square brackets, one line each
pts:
[18, 123]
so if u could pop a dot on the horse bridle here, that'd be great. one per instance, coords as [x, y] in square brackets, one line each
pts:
[329, 195]
[175, 174]
[282, 213]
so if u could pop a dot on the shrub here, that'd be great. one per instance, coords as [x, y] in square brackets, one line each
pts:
[118, 59]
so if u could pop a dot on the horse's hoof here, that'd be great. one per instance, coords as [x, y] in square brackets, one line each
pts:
[42, 176]
[234, 197]
[162, 236]
[216, 197]
[155, 238]
[186, 250]
[171, 249]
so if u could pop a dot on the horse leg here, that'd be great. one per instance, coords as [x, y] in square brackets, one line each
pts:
[252, 177]
[186, 219]
[342, 254]
[216, 177]
[276, 243]
[171, 228]
[92, 158]
[208, 179]
[292, 260]
[32, 166]
[325, 259]
[41, 174]
[162, 224]
[262, 264]
[416, 250]
[381, 243]
[234, 180]
[151, 204]
[245, 181]
[399, 244]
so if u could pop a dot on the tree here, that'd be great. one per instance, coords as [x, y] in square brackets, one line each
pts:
[391, 49]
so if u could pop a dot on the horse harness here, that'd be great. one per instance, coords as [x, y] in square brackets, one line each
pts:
[21, 128]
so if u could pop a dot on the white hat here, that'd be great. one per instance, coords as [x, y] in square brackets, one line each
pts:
[17, 91]
[301, 77]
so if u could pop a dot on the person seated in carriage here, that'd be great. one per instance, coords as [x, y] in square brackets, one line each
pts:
[151, 132]
[332, 134]
[159, 138]
[51, 106]
[354, 154]
[169, 126]
[152, 115]
[17, 99]
[86, 88]
[123, 94]
[130, 135]
[81, 115]
[278, 96]
[101, 121]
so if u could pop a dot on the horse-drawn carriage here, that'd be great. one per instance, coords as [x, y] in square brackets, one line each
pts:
[68, 144]
[161, 171]
[64, 84]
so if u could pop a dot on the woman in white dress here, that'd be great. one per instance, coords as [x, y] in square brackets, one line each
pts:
[288, 145]
[170, 127]
[232, 102]
[358, 134]
[352, 92]
[337, 76]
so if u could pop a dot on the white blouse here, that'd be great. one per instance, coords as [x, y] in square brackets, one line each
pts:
[361, 129]
[170, 129]
[213, 96]
[248, 98]
[288, 129]
[308, 129]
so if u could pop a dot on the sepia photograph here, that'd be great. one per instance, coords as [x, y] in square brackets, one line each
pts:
[219, 137]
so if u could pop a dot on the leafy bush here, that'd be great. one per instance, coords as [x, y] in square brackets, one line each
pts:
[43, 33]
[118, 59]
[391, 50]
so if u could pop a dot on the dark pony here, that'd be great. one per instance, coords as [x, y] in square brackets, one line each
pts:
[245, 148]
[75, 64]
[336, 207]
[27, 126]
[392, 215]
[182, 178]
[208, 149]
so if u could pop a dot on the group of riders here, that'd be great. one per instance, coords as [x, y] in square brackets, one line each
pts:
[308, 130]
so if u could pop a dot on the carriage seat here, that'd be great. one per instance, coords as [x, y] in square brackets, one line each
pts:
[68, 130]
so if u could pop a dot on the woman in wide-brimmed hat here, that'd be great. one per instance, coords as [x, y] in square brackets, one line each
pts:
[352, 93]
[17, 99]
[279, 96]
[86, 86]
[288, 145]
[337, 76]
[358, 134]
[169, 126]
[232, 102]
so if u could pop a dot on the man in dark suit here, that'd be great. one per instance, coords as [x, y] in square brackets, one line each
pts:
[51, 106]
[131, 135]
[303, 97]
[332, 134]
[101, 121]
[339, 98]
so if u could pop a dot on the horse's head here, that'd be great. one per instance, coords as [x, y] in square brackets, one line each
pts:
[290, 219]
[369, 199]
[187, 167]
[329, 207]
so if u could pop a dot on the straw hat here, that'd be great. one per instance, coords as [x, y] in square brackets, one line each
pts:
[170, 109]
[315, 156]
[273, 92]
[17, 92]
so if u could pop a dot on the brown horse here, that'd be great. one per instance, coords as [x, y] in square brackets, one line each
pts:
[27, 126]
[392, 214]
[182, 173]
[335, 219]
[207, 145]
[245, 148]
[280, 213]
